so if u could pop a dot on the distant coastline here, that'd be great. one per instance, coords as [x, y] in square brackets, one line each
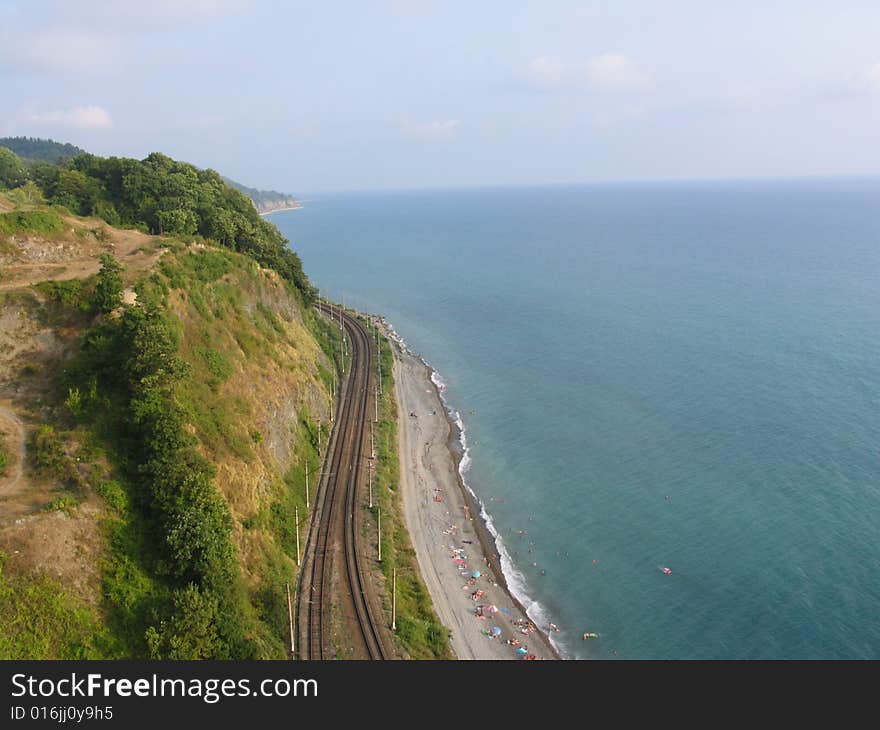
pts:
[295, 206]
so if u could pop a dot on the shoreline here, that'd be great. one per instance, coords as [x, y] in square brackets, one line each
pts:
[486, 536]
[434, 552]
[280, 210]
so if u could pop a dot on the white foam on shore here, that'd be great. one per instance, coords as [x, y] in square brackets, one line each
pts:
[516, 581]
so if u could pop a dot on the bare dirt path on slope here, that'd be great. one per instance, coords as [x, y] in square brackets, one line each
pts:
[37, 260]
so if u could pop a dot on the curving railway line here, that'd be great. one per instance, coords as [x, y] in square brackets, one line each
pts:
[332, 573]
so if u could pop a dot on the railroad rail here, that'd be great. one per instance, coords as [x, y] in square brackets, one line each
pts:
[334, 527]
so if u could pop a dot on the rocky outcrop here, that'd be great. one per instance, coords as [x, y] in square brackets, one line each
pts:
[271, 206]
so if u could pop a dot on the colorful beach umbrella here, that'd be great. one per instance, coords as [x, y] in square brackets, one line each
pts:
[475, 574]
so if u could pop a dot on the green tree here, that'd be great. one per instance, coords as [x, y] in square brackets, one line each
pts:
[190, 632]
[12, 170]
[77, 191]
[163, 196]
[108, 289]
[33, 148]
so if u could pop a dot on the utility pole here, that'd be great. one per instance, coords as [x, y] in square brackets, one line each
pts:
[332, 381]
[319, 444]
[307, 476]
[378, 357]
[370, 480]
[290, 620]
[296, 520]
[377, 404]
[394, 599]
[380, 534]
[372, 444]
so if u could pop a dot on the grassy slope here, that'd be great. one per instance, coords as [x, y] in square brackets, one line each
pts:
[255, 395]
[257, 384]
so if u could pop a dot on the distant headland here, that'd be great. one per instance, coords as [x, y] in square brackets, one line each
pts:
[34, 149]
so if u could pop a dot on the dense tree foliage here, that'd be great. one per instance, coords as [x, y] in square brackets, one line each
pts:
[32, 148]
[201, 613]
[160, 196]
[12, 170]
[166, 197]
[190, 632]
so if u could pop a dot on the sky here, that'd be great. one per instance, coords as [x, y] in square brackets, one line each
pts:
[391, 94]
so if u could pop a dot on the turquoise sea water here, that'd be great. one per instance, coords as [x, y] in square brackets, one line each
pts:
[679, 375]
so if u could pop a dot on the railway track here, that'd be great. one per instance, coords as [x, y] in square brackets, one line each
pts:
[333, 566]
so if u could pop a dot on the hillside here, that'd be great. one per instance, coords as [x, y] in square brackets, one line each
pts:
[158, 195]
[160, 398]
[34, 148]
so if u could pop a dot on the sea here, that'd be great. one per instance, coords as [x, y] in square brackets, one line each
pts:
[680, 376]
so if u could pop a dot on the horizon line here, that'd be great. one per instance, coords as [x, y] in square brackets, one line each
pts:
[595, 183]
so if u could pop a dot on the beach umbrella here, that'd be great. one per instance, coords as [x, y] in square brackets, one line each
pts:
[493, 609]
[496, 630]
[522, 650]
[475, 574]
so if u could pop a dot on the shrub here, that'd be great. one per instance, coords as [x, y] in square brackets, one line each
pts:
[108, 287]
[45, 222]
[190, 632]
[12, 170]
[70, 294]
[73, 402]
[4, 456]
[65, 503]
[47, 451]
[113, 494]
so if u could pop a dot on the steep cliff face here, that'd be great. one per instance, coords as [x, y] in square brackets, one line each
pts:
[153, 455]
[266, 201]
[270, 206]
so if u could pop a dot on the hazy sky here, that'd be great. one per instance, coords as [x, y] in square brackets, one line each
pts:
[310, 96]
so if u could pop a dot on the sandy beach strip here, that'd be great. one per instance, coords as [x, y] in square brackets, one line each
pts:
[449, 537]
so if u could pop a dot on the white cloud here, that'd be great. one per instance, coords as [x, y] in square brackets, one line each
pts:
[79, 117]
[436, 130]
[608, 72]
[615, 71]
